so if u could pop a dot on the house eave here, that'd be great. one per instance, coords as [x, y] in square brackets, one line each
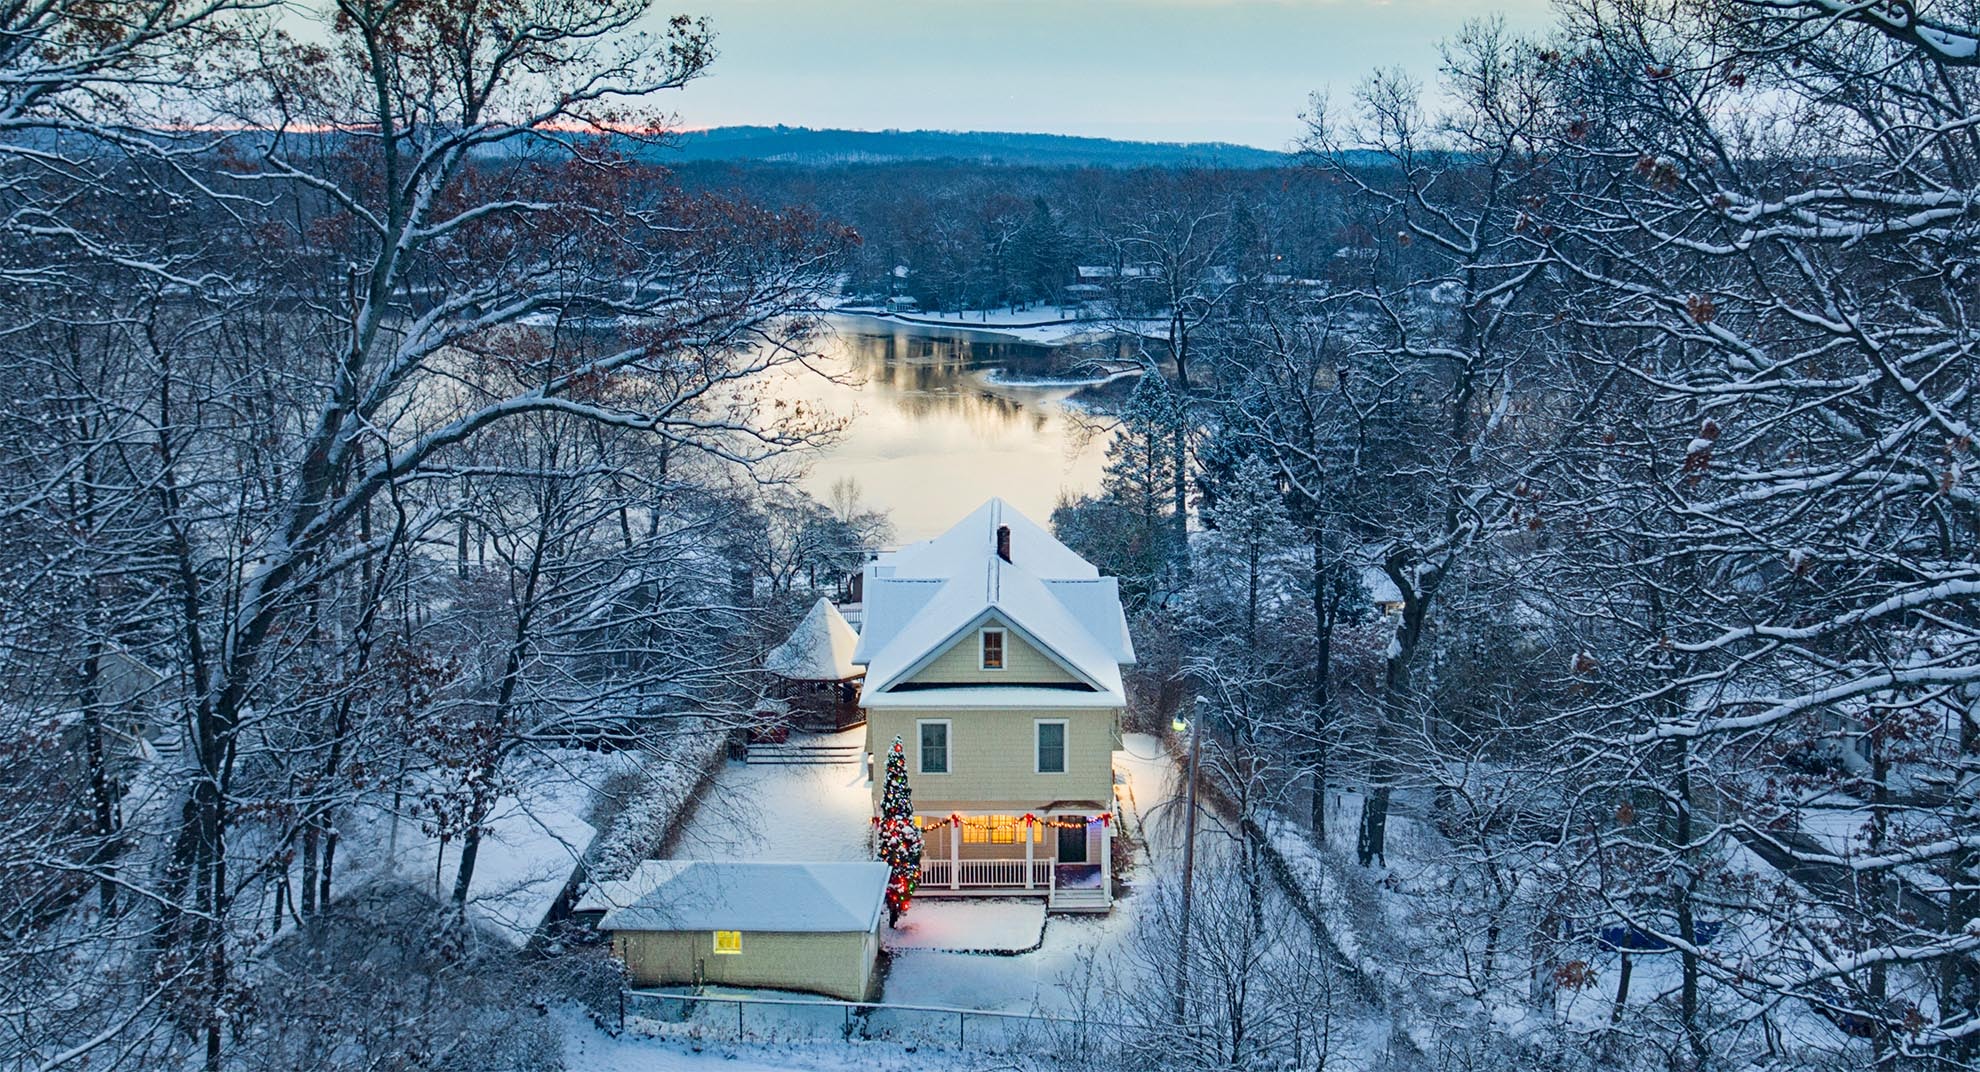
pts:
[994, 696]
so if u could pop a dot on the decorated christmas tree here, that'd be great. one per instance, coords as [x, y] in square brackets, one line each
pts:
[900, 839]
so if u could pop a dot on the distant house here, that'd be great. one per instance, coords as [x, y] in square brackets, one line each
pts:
[1383, 594]
[813, 927]
[995, 653]
[813, 670]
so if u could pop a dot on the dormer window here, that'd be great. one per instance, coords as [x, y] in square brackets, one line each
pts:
[992, 648]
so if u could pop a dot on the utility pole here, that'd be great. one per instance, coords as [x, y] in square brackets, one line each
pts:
[1195, 727]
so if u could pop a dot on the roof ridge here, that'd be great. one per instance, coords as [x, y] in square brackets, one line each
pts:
[838, 895]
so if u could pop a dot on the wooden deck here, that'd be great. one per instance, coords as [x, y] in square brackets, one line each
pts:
[1065, 887]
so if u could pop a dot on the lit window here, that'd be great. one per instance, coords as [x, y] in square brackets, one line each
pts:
[993, 649]
[1052, 746]
[729, 942]
[1003, 830]
[934, 747]
[975, 831]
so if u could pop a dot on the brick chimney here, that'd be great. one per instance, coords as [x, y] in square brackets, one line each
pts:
[1004, 542]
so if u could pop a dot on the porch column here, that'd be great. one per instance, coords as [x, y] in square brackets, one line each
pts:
[955, 854]
[1030, 835]
[1107, 853]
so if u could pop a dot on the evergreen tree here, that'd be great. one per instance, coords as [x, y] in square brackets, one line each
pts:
[1140, 477]
[900, 839]
[1251, 524]
[1041, 253]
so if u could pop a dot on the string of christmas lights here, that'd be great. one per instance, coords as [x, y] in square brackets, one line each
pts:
[988, 822]
[899, 836]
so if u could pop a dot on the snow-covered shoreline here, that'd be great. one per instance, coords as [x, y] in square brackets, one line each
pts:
[1021, 326]
[1001, 377]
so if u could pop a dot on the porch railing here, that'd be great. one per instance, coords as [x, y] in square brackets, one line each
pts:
[986, 874]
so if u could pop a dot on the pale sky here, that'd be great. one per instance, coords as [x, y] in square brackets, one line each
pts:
[1166, 70]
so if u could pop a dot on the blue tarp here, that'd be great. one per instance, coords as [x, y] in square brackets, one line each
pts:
[1623, 938]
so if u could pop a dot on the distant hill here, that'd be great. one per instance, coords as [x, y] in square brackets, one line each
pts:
[803, 145]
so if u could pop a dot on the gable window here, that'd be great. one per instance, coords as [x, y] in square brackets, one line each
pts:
[934, 746]
[993, 649]
[729, 942]
[1051, 751]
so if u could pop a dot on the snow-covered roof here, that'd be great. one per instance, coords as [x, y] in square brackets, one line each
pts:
[974, 539]
[709, 895]
[1380, 588]
[819, 649]
[922, 598]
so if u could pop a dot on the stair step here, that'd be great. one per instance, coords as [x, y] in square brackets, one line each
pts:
[817, 757]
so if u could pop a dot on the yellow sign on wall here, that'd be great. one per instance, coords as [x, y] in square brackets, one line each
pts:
[728, 942]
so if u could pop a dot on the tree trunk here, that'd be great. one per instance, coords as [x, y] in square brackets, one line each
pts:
[1622, 988]
[1371, 843]
[1687, 878]
[470, 848]
[1959, 977]
[1323, 658]
[1180, 480]
[329, 861]
[309, 867]
[103, 799]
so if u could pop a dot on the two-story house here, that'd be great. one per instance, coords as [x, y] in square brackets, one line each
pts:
[995, 653]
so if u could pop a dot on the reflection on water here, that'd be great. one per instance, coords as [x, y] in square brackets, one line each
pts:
[932, 436]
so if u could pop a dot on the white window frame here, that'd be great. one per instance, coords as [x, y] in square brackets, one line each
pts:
[1003, 650]
[948, 745]
[1065, 745]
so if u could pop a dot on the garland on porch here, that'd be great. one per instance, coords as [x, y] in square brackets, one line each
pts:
[985, 822]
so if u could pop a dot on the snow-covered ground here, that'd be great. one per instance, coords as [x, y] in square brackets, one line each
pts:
[999, 377]
[588, 1049]
[536, 836]
[1042, 981]
[970, 926]
[778, 812]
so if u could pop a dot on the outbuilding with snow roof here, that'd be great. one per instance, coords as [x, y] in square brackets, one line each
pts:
[813, 672]
[812, 927]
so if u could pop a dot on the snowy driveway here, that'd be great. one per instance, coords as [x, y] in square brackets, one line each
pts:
[784, 812]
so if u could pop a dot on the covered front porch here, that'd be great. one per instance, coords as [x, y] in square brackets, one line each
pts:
[1061, 852]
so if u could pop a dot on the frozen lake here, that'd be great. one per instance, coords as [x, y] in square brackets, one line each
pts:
[936, 429]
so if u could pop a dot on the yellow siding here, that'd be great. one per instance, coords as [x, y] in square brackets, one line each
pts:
[991, 756]
[838, 964]
[962, 664]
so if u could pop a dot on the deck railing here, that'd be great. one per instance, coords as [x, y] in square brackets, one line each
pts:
[986, 875]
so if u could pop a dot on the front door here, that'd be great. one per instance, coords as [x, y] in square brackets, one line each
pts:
[1072, 839]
